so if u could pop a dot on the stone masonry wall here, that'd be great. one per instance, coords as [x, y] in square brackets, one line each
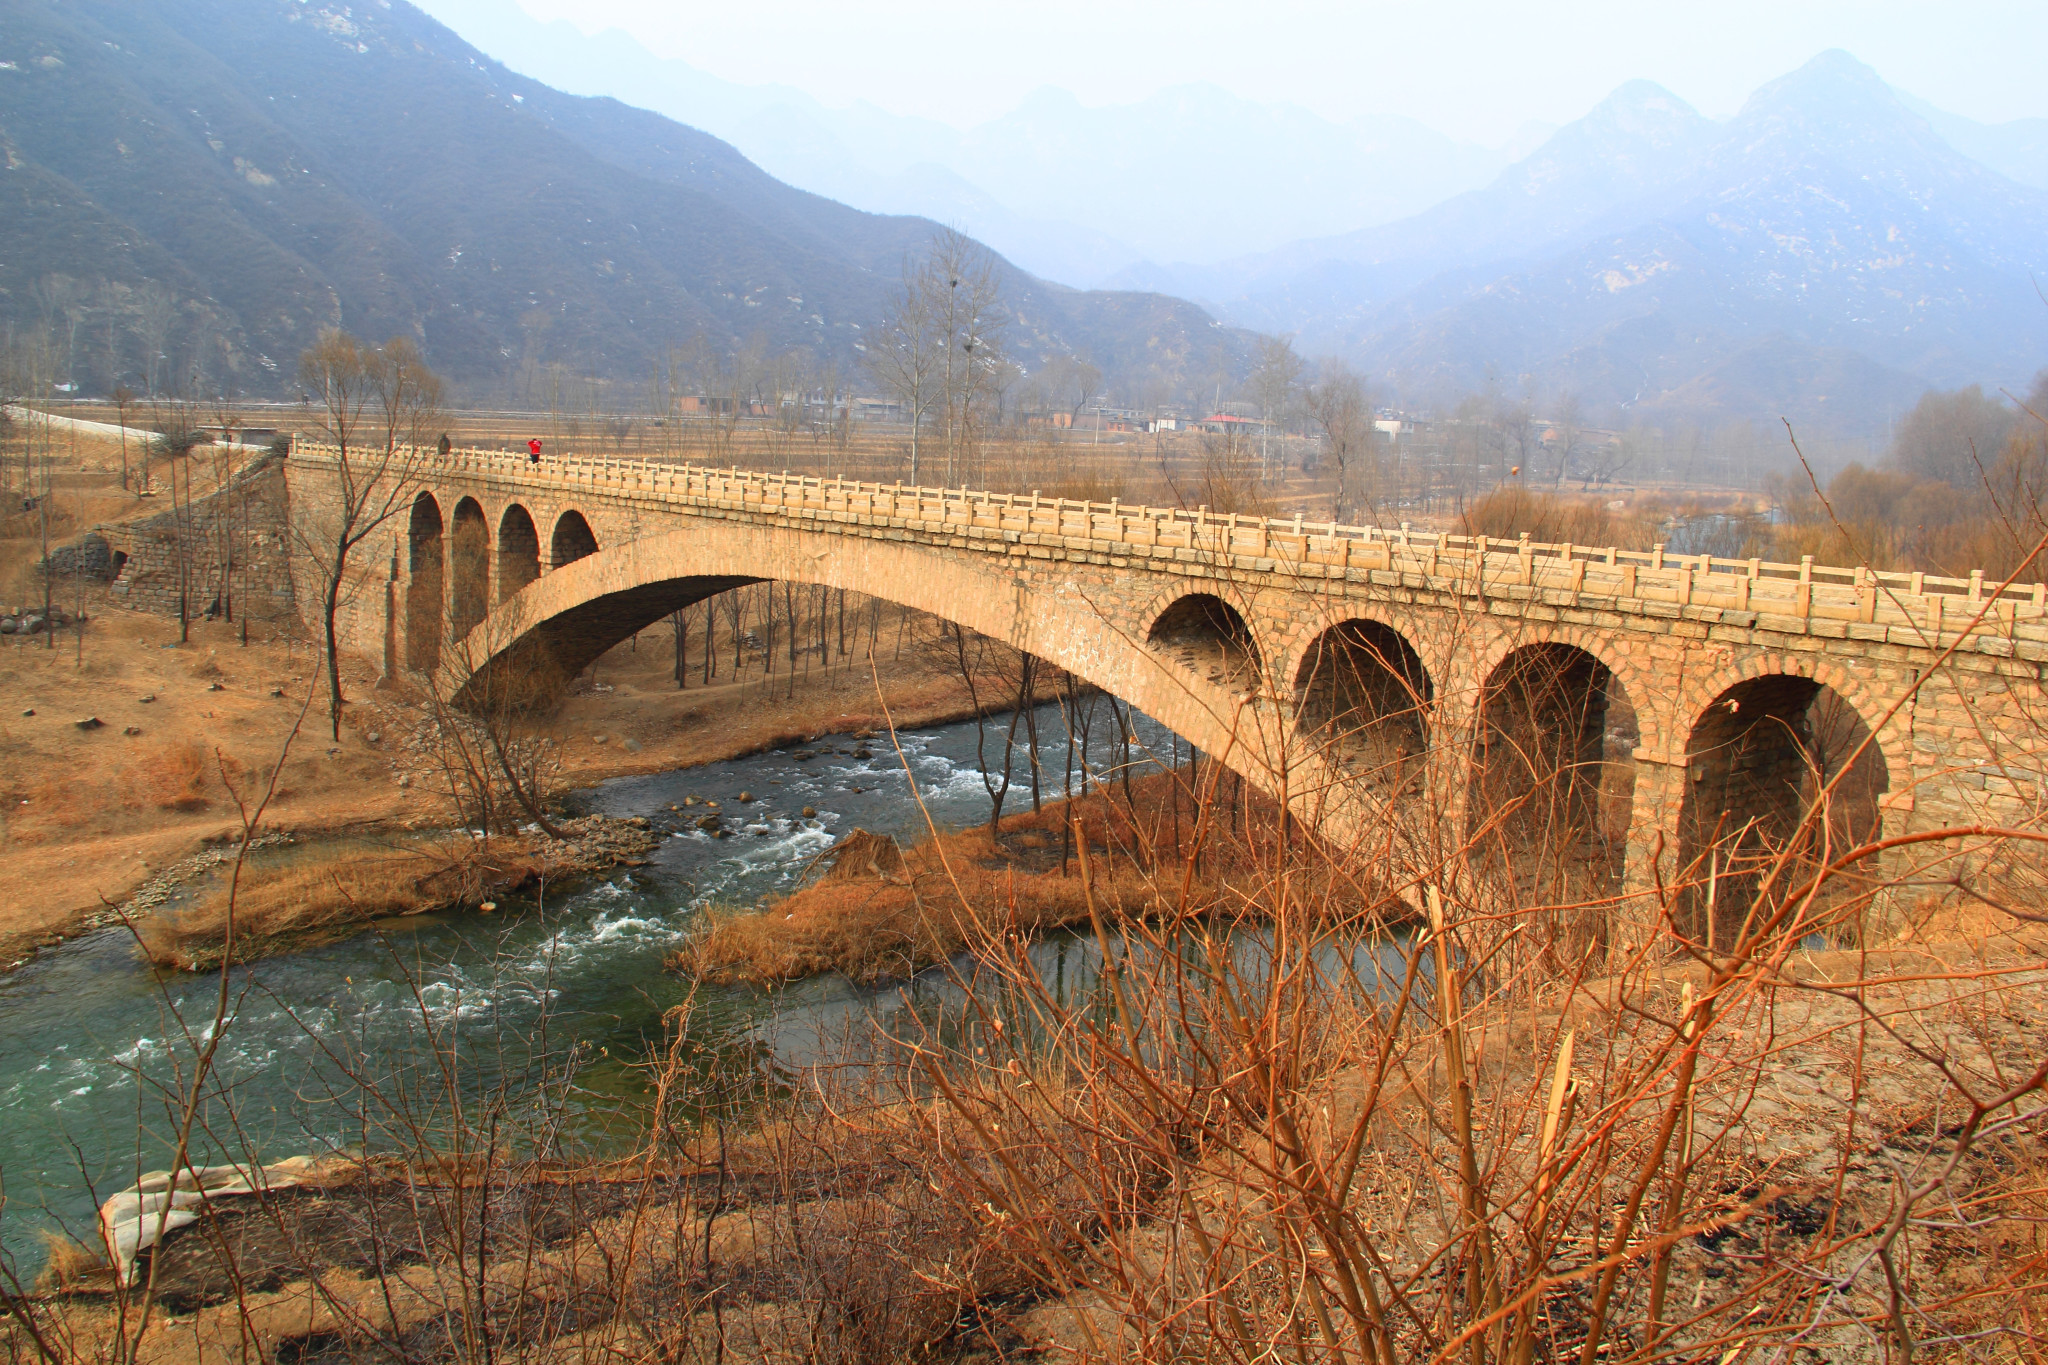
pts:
[236, 543]
[1957, 711]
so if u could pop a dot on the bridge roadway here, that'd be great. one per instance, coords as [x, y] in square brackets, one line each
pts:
[1620, 694]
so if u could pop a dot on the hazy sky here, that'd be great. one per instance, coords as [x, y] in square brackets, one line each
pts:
[1473, 68]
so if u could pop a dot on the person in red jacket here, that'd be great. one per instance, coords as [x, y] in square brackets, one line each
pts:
[533, 451]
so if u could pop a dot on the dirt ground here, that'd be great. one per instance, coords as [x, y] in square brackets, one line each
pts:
[189, 731]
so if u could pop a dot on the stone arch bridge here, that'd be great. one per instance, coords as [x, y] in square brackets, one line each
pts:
[1620, 695]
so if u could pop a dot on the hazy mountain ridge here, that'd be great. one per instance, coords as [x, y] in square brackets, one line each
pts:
[1656, 252]
[307, 165]
[1069, 190]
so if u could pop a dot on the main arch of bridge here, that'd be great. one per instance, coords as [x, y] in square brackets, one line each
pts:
[578, 570]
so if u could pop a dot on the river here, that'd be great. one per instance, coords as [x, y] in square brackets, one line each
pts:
[93, 1041]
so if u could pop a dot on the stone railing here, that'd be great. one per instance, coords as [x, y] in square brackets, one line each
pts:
[1858, 603]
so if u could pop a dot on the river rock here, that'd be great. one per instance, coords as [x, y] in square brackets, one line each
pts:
[810, 812]
[145, 699]
[745, 797]
[632, 746]
[155, 1206]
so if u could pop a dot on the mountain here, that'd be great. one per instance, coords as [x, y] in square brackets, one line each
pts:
[1072, 191]
[2017, 150]
[1637, 139]
[1648, 259]
[220, 179]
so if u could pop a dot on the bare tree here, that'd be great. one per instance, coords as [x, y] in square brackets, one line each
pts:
[408, 396]
[908, 357]
[374, 405]
[1072, 383]
[62, 301]
[939, 346]
[1272, 380]
[123, 396]
[156, 310]
[1337, 402]
[971, 312]
[1514, 425]
[1566, 426]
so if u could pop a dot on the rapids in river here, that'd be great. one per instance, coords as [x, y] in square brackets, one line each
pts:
[93, 1042]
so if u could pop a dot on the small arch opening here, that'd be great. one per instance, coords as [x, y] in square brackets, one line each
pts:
[572, 540]
[518, 551]
[1756, 763]
[1362, 697]
[470, 555]
[426, 567]
[1553, 784]
[1208, 637]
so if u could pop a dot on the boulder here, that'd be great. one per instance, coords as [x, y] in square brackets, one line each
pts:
[156, 1205]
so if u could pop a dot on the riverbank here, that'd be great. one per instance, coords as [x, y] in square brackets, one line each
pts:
[970, 1223]
[130, 814]
[314, 893]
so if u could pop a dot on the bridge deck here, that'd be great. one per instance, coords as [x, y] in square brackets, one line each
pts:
[1907, 609]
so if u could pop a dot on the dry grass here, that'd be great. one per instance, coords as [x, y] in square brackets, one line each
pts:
[322, 893]
[881, 912]
[69, 1264]
[1509, 512]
